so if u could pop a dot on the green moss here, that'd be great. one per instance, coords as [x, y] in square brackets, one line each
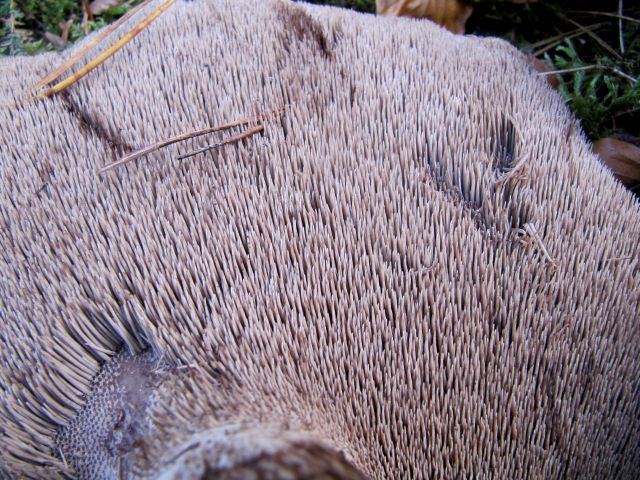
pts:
[23, 23]
[597, 55]
[600, 91]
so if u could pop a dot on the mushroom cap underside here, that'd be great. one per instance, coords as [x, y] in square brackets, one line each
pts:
[418, 268]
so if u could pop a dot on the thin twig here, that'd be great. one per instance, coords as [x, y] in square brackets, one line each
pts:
[178, 138]
[559, 39]
[602, 43]
[529, 231]
[107, 53]
[235, 138]
[591, 67]
[623, 74]
[620, 9]
[568, 70]
[564, 35]
[186, 136]
[88, 47]
[627, 112]
[605, 14]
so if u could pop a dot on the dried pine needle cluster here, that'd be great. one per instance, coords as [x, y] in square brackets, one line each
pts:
[417, 270]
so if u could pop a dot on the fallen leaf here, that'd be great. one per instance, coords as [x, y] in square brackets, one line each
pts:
[57, 41]
[86, 15]
[100, 6]
[451, 14]
[541, 67]
[66, 28]
[621, 157]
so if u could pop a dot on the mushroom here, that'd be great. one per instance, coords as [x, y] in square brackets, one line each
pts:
[419, 270]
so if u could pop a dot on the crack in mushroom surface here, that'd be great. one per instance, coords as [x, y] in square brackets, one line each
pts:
[349, 294]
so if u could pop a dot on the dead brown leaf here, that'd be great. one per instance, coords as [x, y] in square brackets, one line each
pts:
[56, 40]
[86, 16]
[60, 41]
[66, 28]
[100, 6]
[621, 157]
[451, 14]
[541, 67]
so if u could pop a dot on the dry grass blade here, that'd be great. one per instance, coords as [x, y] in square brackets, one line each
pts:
[88, 47]
[236, 138]
[552, 42]
[601, 42]
[178, 138]
[529, 236]
[568, 70]
[620, 31]
[617, 71]
[590, 67]
[606, 14]
[107, 53]
[563, 35]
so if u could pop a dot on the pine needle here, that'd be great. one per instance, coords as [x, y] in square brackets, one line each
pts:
[88, 47]
[236, 138]
[601, 42]
[107, 53]
[563, 35]
[606, 14]
[620, 30]
[553, 42]
[568, 70]
[178, 138]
